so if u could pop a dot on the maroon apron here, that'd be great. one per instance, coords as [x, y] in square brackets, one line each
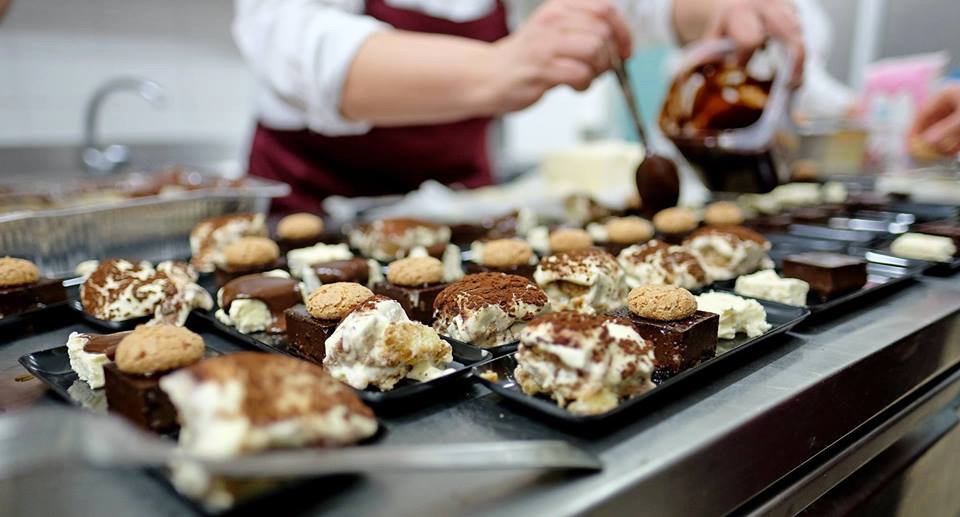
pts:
[386, 160]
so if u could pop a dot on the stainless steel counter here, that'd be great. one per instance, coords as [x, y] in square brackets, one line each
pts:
[706, 450]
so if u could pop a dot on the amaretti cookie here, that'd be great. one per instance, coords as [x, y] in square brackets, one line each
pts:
[310, 325]
[617, 233]
[246, 256]
[511, 256]
[23, 289]
[210, 236]
[675, 223]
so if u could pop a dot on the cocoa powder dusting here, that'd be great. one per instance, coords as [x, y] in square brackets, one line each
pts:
[731, 233]
[473, 292]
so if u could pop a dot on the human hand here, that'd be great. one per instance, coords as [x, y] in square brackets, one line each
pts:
[937, 124]
[564, 42]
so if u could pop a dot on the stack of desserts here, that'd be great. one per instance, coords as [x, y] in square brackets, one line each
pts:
[23, 289]
[210, 237]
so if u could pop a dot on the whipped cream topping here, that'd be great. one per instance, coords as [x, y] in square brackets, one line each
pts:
[924, 247]
[311, 281]
[210, 237]
[538, 238]
[794, 195]
[768, 285]
[89, 366]
[598, 232]
[725, 257]
[736, 314]
[588, 281]
[391, 239]
[300, 260]
[377, 345]
[662, 264]
[587, 364]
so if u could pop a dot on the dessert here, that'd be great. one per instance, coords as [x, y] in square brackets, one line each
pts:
[587, 280]
[451, 258]
[210, 236]
[667, 317]
[391, 239]
[141, 359]
[487, 309]
[88, 354]
[674, 223]
[770, 223]
[767, 285]
[119, 290]
[247, 402]
[22, 288]
[256, 303]
[587, 364]
[301, 230]
[729, 251]
[737, 315]
[950, 229]
[619, 232]
[246, 256]
[723, 213]
[828, 274]
[568, 239]
[919, 246]
[377, 345]
[415, 283]
[511, 256]
[793, 195]
[328, 263]
[309, 326]
[659, 263]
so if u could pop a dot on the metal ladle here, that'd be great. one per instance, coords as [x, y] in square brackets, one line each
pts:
[658, 183]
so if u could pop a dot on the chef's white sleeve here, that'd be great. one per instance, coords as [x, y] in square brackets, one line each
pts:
[302, 51]
[650, 22]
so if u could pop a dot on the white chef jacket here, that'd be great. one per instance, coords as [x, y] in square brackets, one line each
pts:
[301, 50]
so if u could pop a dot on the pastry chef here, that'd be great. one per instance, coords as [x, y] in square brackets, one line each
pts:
[373, 97]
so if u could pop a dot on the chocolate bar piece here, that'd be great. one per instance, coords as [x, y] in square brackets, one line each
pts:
[306, 335]
[770, 223]
[677, 345]
[416, 301]
[14, 300]
[350, 270]
[524, 270]
[139, 399]
[224, 274]
[828, 274]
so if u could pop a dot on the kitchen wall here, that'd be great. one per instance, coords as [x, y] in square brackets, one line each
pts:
[54, 53]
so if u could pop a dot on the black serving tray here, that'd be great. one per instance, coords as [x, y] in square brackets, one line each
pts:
[107, 325]
[464, 357]
[31, 314]
[495, 351]
[781, 317]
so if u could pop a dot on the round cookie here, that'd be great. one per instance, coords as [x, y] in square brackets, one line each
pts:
[675, 219]
[158, 348]
[661, 302]
[16, 271]
[569, 239]
[300, 226]
[334, 301]
[413, 271]
[506, 253]
[251, 251]
[723, 213]
[629, 230]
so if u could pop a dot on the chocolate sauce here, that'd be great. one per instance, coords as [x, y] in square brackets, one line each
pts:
[350, 270]
[277, 293]
[104, 343]
[658, 184]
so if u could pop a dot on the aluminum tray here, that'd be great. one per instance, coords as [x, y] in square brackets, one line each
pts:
[150, 228]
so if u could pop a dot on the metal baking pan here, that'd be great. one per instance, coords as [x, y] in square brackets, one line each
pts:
[834, 234]
[464, 357]
[781, 317]
[882, 255]
[151, 228]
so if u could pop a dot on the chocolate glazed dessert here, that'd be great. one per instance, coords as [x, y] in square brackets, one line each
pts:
[105, 344]
[17, 299]
[277, 293]
[350, 270]
[829, 274]
[658, 184]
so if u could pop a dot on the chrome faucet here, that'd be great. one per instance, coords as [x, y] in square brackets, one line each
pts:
[109, 159]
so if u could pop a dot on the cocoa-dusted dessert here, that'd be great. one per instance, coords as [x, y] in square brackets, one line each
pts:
[248, 402]
[586, 280]
[88, 354]
[675, 223]
[246, 256]
[310, 325]
[392, 239]
[588, 364]
[617, 233]
[119, 290]
[727, 252]
[414, 282]
[142, 358]
[828, 274]
[659, 263]
[488, 309]
[301, 230]
[511, 256]
[256, 303]
[668, 318]
[377, 345]
[23, 289]
[723, 213]
[210, 236]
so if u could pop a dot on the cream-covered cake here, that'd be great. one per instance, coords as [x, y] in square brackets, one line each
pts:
[768, 285]
[737, 315]
[729, 251]
[210, 236]
[300, 259]
[89, 352]
[378, 345]
[659, 263]
[586, 280]
[333, 260]
[391, 239]
[924, 247]
[587, 364]
[488, 309]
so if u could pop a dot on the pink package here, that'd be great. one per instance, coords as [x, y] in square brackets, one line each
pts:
[913, 76]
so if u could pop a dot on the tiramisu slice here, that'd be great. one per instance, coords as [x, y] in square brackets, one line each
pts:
[727, 252]
[659, 263]
[256, 303]
[391, 239]
[586, 280]
[210, 236]
[377, 345]
[587, 364]
[488, 309]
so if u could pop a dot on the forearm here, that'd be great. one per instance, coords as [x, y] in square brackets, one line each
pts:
[405, 78]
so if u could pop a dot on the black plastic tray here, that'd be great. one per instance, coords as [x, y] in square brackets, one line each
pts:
[495, 351]
[464, 357]
[781, 317]
[30, 314]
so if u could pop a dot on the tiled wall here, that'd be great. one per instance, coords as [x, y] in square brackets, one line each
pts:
[54, 53]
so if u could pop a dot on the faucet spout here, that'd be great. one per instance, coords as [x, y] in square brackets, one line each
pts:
[100, 159]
